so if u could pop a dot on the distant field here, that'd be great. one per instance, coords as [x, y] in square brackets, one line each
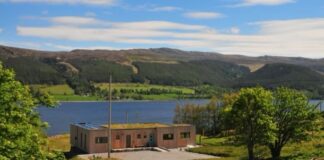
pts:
[66, 93]
[77, 98]
[63, 89]
[139, 86]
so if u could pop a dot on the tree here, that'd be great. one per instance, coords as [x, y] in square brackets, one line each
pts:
[252, 114]
[213, 109]
[294, 117]
[228, 100]
[21, 129]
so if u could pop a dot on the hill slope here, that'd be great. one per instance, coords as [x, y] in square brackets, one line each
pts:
[279, 74]
[163, 66]
[157, 66]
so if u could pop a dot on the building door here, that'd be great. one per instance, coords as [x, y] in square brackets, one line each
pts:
[128, 141]
[151, 141]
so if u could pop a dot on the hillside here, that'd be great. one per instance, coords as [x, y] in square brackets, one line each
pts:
[279, 74]
[157, 66]
[162, 66]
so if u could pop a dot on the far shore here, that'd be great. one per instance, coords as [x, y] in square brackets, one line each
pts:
[132, 100]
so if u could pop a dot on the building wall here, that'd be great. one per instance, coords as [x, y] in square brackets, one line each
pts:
[97, 147]
[148, 137]
[177, 140]
[142, 141]
[122, 141]
[80, 138]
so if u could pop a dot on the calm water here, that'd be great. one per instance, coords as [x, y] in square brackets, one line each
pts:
[96, 113]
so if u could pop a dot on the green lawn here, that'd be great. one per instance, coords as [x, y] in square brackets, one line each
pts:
[225, 148]
[139, 86]
[62, 89]
[62, 143]
[65, 93]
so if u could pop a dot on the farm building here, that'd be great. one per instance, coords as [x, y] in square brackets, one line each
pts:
[93, 139]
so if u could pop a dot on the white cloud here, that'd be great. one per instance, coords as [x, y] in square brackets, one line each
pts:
[47, 46]
[88, 2]
[69, 48]
[235, 30]
[165, 8]
[159, 25]
[263, 2]
[74, 20]
[203, 15]
[149, 25]
[298, 37]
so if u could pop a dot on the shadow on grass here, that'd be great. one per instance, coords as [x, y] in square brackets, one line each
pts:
[73, 153]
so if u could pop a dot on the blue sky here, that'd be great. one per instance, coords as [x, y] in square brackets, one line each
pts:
[247, 27]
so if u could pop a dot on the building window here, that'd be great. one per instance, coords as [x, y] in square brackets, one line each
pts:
[168, 136]
[117, 137]
[101, 139]
[144, 136]
[185, 134]
[138, 136]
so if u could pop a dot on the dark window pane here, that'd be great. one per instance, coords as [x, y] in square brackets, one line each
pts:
[168, 136]
[185, 134]
[101, 139]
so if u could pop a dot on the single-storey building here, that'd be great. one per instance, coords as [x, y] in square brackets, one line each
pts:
[93, 139]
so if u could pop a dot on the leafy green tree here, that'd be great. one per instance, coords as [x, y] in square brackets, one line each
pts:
[21, 129]
[213, 109]
[252, 114]
[294, 117]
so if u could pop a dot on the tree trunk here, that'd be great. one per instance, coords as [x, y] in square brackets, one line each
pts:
[250, 151]
[275, 153]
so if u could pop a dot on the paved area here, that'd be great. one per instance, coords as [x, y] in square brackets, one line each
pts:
[174, 154]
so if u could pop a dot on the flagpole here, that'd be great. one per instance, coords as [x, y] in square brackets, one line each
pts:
[109, 123]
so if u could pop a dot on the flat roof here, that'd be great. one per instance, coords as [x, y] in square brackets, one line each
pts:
[129, 125]
[136, 125]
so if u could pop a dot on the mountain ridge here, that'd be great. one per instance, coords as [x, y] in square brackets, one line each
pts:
[161, 66]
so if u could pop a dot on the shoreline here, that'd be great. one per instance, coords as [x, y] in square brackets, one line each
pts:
[149, 100]
[135, 100]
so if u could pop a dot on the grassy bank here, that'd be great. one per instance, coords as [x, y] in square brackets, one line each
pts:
[66, 93]
[225, 148]
[62, 143]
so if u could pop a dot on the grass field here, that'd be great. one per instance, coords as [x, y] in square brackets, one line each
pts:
[77, 98]
[222, 146]
[66, 93]
[62, 143]
[62, 89]
[139, 86]
[147, 87]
